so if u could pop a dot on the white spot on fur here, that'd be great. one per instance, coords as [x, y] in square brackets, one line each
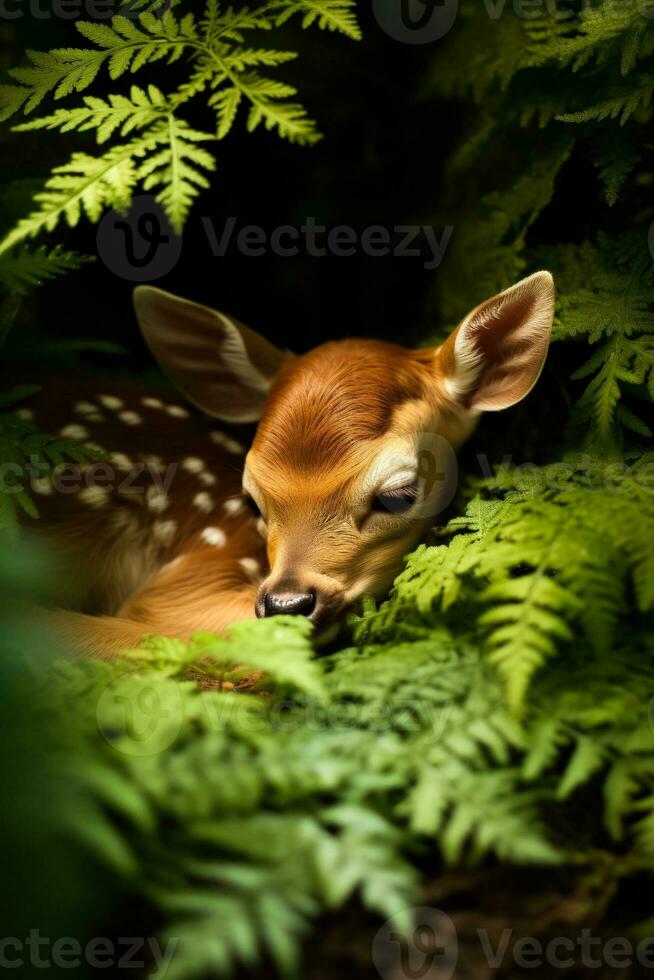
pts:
[121, 460]
[152, 402]
[251, 567]
[203, 501]
[157, 500]
[208, 479]
[74, 432]
[177, 412]
[94, 445]
[86, 408]
[231, 445]
[43, 485]
[234, 505]
[153, 462]
[164, 531]
[130, 418]
[214, 536]
[26, 414]
[123, 520]
[94, 496]
[192, 464]
[111, 402]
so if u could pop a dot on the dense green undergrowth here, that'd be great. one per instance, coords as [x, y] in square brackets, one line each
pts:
[505, 686]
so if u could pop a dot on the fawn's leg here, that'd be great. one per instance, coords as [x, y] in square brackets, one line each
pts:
[193, 593]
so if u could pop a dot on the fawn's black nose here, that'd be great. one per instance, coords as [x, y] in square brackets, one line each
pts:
[287, 604]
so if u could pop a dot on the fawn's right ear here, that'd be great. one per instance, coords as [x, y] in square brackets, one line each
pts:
[221, 366]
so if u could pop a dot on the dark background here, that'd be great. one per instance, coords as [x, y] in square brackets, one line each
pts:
[382, 162]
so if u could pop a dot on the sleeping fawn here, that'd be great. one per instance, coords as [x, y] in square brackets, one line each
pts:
[177, 530]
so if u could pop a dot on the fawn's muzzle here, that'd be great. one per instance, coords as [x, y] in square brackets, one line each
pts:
[286, 604]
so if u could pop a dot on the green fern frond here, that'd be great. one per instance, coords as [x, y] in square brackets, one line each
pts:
[22, 270]
[615, 159]
[220, 61]
[178, 167]
[525, 624]
[124, 46]
[332, 15]
[85, 185]
[118, 113]
[620, 106]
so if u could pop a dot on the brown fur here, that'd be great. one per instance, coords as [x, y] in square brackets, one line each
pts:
[336, 425]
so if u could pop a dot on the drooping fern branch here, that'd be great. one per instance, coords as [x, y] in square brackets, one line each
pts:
[163, 152]
[583, 81]
[612, 308]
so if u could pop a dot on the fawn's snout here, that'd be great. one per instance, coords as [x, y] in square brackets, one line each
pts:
[317, 597]
[285, 604]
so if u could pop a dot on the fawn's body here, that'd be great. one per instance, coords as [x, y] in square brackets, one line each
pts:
[177, 531]
[156, 537]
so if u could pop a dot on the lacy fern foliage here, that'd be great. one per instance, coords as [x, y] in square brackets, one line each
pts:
[163, 153]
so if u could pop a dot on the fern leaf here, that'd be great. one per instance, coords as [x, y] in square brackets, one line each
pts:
[332, 15]
[118, 113]
[524, 628]
[177, 168]
[226, 103]
[587, 759]
[86, 184]
[123, 46]
[288, 118]
[24, 269]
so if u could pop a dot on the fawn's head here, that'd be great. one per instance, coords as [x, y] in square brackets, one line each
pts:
[353, 456]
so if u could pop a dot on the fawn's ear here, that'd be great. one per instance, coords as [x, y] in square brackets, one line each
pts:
[494, 357]
[221, 366]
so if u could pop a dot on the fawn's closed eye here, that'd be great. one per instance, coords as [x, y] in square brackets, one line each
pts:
[396, 501]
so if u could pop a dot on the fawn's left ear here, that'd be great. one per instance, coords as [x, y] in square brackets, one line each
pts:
[494, 357]
[221, 366]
